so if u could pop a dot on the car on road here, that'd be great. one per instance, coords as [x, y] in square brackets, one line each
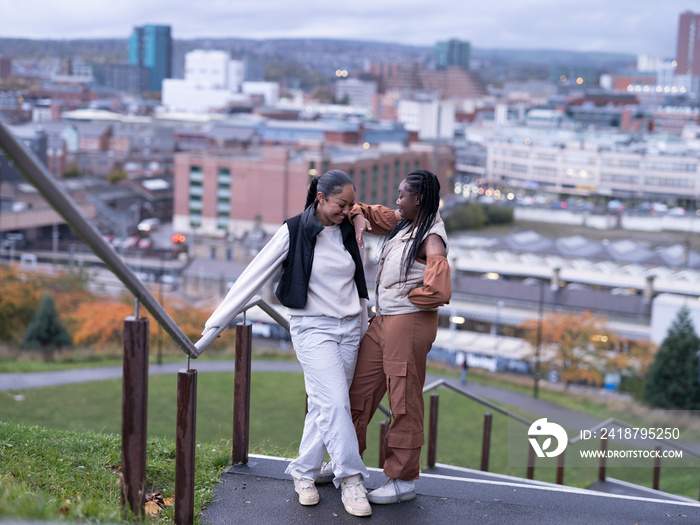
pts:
[148, 225]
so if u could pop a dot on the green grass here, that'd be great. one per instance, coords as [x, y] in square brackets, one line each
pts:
[50, 474]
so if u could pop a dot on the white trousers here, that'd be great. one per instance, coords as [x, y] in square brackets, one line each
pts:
[327, 350]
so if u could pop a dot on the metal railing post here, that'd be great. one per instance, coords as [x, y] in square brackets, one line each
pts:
[560, 468]
[134, 414]
[486, 442]
[432, 430]
[383, 429]
[185, 446]
[530, 463]
[241, 394]
[601, 465]
[657, 468]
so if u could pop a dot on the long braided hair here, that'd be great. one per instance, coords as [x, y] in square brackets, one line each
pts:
[426, 185]
[330, 183]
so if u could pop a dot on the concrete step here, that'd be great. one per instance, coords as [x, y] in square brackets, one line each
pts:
[260, 492]
[609, 486]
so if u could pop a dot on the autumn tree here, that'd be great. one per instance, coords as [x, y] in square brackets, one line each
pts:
[19, 299]
[46, 330]
[672, 379]
[575, 344]
[101, 323]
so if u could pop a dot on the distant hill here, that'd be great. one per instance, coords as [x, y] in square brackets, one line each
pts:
[116, 49]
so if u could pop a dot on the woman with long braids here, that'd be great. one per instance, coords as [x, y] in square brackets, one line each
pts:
[413, 280]
[323, 284]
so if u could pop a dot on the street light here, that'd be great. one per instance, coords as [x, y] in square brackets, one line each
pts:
[538, 342]
[163, 256]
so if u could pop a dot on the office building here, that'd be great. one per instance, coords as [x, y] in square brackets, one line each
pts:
[151, 46]
[5, 67]
[688, 45]
[452, 53]
[124, 77]
[357, 92]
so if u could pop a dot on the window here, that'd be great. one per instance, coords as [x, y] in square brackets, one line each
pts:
[363, 185]
[223, 197]
[375, 183]
[385, 186]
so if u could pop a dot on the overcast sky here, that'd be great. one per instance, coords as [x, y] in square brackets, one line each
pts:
[628, 26]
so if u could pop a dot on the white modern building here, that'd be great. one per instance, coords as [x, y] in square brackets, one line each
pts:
[433, 119]
[268, 91]
[578, 163]
[213, 70]
[213, 82]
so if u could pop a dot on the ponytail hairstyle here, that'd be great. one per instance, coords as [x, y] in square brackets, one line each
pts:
[330, 183]
[426, 185]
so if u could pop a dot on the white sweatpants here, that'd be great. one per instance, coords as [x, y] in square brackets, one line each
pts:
[327, 350]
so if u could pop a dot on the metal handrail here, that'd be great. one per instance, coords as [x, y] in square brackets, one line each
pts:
[40, 178]
[465, 393]
[444, 383]
[211, 335]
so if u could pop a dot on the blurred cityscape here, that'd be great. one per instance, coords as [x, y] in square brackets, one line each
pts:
[188, 154]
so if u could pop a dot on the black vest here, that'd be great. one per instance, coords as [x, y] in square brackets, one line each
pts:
[293, 287]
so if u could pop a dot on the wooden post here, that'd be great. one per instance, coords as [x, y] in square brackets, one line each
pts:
[601, 465]
[185, 446]
[486, 442]
[134, 415]
[560, 468]
[433, 429]
[657, 468]
[241, 394]
[383, 429]
[530, 463]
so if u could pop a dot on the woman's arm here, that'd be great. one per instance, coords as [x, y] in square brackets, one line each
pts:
[437, 284]
[373, 218]
[255, 275]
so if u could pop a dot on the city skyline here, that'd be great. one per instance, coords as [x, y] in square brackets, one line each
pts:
[625, 26]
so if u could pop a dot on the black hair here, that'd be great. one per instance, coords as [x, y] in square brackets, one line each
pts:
[330, 183]
[426, 185]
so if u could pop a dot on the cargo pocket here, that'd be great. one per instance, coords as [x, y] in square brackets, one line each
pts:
[395, 372]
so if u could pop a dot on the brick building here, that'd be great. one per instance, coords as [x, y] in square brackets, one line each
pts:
[229, 193]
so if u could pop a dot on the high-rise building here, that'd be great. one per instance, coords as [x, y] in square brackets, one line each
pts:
[452, 53]
[5, 67]
[151, 46]
[688, 46]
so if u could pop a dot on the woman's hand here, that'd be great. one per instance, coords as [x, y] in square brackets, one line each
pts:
[361, 225]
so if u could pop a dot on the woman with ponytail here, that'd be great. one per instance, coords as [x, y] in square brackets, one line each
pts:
[322, 283]
[413, 280]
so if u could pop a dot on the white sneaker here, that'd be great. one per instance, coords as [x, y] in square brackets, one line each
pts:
[326, 475]
[354, 495]
[308, 495]
[393, 491]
